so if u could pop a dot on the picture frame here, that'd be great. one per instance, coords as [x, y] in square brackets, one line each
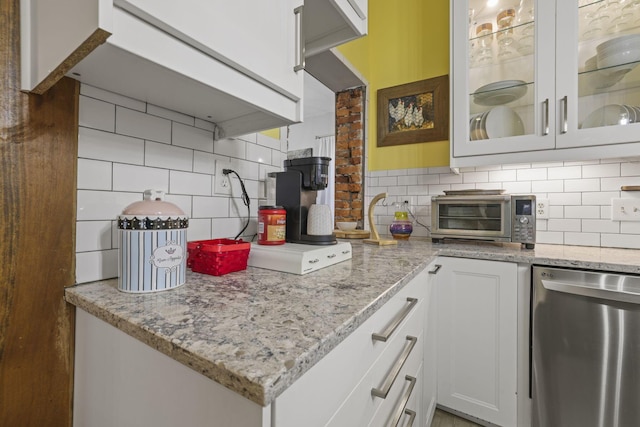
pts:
[414, 112]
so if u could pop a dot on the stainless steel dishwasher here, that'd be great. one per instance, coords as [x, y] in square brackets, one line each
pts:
[585, 349]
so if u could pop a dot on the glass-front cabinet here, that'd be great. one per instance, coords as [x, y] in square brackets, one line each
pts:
[544, 79]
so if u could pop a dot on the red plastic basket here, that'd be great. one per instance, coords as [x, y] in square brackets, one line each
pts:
[218, 256]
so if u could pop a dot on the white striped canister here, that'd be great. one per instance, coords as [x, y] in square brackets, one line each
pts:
[153, 245]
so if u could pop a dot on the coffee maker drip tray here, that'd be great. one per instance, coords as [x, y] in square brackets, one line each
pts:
[296, 258]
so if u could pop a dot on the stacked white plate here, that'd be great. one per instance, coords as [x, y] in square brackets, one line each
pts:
[500, 93]
[622, 52]
[612, 115]
[498, 122]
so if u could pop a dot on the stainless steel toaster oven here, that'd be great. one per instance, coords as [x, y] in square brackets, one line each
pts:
[484, 215]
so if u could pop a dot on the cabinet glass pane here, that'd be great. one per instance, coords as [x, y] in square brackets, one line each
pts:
[501, 68]
[608, 58]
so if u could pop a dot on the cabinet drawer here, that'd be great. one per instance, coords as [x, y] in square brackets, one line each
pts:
[362, 408]
[333, 378]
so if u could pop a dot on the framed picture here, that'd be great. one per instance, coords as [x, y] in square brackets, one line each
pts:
[414, 112]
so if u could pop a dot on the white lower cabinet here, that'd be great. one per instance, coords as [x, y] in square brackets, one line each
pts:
[478, 338]
[344, 379]
[120, 381]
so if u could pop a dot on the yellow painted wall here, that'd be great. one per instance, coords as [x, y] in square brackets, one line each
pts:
[272, 133]
[407, 41]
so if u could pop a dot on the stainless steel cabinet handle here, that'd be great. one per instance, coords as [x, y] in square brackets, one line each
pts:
[332, 256]
[313, 261]
[299, 12]
[565, 125]
[384, 335]
[436, 268]
[401, 409]
[588, 290]
[412, 417]
[395, 370]
[545, 123]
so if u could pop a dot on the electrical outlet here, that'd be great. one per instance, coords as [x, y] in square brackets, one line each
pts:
[222, 181]
[542, 208]
[625, 209]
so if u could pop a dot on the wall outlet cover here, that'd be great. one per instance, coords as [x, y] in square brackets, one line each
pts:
[222, 181]
[542, 208]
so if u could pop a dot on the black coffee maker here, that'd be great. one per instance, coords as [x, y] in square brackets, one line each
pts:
[296, 190]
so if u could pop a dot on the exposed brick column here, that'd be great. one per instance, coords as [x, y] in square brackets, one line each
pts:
[349, 203]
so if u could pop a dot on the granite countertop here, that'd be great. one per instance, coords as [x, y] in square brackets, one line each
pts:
[256, 331]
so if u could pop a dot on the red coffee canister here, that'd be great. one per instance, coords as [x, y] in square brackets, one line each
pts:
[272, 225]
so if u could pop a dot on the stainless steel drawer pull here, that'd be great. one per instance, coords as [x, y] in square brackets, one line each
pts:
[313, 261]
[402, 407]
[384, 335]
[299, 12]
[395, 369]
[412, 417]
[332, 256]
[436, 268]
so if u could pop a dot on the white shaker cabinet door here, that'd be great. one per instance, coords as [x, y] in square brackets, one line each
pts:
[477, 338]
[258, 38]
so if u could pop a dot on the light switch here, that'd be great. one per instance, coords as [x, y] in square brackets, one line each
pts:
[625, 209]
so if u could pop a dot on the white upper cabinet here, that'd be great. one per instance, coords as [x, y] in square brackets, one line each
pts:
[329, 23]
[540, 80]
[231, 62]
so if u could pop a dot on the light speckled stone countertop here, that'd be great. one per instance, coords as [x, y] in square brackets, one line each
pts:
[257, 331]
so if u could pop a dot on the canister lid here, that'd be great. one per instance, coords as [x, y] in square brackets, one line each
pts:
[152, 213]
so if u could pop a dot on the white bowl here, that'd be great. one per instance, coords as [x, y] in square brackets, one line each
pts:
[609, 115]
[502, 122]
[346, 225]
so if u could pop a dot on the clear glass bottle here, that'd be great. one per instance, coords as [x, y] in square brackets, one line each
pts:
[401, 227]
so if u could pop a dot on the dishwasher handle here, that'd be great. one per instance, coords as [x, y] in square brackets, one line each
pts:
[594, 291]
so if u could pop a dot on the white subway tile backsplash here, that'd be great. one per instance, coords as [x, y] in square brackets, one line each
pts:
[166, 156]
[244, 168]
[591, 184]
[196, 184]
[93, 236]
[408, 180]
[565, 172]
[236, 148]
[103, 205]
[251, 137]
[449, 178]
[629, 241]
[98, 265]
[141, 125]
[433, 179]
[267, 141]
[97, 114]
[600, 171]
[614, 184]
[206, 162]
[599, 198]
[582, 239]
[591, 212]
[600, 226]
[199, 229]
[388, 181]
[94, 175]
[139, 178]
[502, 175]
[563, 224]
[550, 237]
[99, 145]
[560, 199]
[630, 169]
[469, 177]
[547, 186]
[533, 174]
[192, 137]
[259, 154]
[628, 227]
[211, 207]
[515, 187]
[226, 227]
[183, 202]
